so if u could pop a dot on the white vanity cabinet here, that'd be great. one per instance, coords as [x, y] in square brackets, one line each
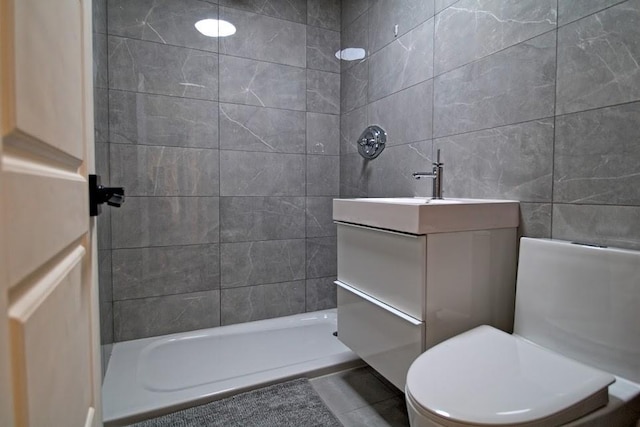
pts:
[400, 293]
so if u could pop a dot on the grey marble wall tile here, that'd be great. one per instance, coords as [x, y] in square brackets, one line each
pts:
[355, 36]
[292, 10]
[535, 220]
[323, 134]
[391, 173]
[321, 294]
[145, 170]
[324, 14]
[323, 92]
[99, 15]
[245, 81]
[407, 14]
[322, 46]
[249, 128]
[163, 21]
[105, 288]
[352, 124]
[403, 63]
[443, 4]
[147, 317]
[256, 263]
[138, 118]
[101, 114]
[106, 323]
[510, 162]
[264, 38]
[472, 29]
[511, 86]
[149, 67]
[164, 221]
[354, 175]
[320, 217]
[104, 229]
[102, 161]
[617, 226]
[261, 218]
[354, 85]
[352, 9]
[151, 272]
[571, 10]
[100, 55]
[262, 302]
[596, 156]
[261, 174]
[598, 59]
[407, 115]
[321, 257]
[323, 175]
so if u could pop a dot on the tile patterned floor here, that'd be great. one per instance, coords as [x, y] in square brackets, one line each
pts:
[361, 397]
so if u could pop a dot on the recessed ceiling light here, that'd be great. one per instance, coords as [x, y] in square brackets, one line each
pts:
[215, 28]
[351, 54]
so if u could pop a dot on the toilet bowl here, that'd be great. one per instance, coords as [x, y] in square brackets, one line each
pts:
[573, 359]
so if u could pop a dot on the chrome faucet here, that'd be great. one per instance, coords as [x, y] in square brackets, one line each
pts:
[436, 175]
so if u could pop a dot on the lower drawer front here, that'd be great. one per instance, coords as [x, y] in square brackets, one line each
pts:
[386, 341]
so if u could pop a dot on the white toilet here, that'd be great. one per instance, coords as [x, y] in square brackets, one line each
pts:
[573, 359]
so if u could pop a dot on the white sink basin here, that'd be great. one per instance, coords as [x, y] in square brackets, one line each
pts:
[423, 215]
[411, 200]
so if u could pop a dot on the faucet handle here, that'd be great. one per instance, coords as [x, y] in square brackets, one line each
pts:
[437, 162]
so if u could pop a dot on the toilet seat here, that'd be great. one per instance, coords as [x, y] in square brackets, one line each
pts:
[488, 377]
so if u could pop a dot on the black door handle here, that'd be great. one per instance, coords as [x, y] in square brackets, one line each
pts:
[98, 194]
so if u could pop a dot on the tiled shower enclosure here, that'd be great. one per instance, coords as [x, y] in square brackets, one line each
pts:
[229, 152]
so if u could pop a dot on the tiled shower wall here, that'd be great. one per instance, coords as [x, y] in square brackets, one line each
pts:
[229, 153]
[533, 100]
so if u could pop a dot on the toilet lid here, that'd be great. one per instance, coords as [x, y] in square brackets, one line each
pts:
[487, 376]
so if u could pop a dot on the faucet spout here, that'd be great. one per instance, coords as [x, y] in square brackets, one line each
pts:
[436, 175]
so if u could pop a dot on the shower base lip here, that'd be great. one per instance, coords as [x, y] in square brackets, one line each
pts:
[154, 376]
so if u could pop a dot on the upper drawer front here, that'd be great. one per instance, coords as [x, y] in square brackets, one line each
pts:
[388, 266]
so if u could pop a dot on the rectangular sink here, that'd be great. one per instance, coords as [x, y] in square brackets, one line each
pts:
[423, 215]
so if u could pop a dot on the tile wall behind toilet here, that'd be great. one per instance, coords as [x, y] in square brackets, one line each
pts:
[229, 152]
[535, 100]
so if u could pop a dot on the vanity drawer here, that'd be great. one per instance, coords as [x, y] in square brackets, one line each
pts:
[388, 340]
[386, 265]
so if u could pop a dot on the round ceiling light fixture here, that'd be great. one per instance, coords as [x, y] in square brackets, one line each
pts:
[351, 54]
[215, 28]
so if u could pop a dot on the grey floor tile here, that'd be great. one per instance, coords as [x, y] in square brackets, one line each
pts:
[350, 390]
[389, 413]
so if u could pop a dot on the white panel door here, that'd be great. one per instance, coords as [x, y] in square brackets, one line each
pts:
[49, 349]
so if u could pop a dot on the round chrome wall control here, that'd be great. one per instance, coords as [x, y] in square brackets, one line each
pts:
[372, 142]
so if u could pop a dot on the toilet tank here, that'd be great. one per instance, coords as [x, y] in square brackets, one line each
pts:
[581, 301]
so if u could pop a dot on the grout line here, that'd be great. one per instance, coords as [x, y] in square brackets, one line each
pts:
[588, 15]
[306, 180]
[210, 100]
[288, 153]
[493, 127]
[221, 54]
[637, 101]
[433, 97]
[553, 144]
[220, 289]
[219, 257]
